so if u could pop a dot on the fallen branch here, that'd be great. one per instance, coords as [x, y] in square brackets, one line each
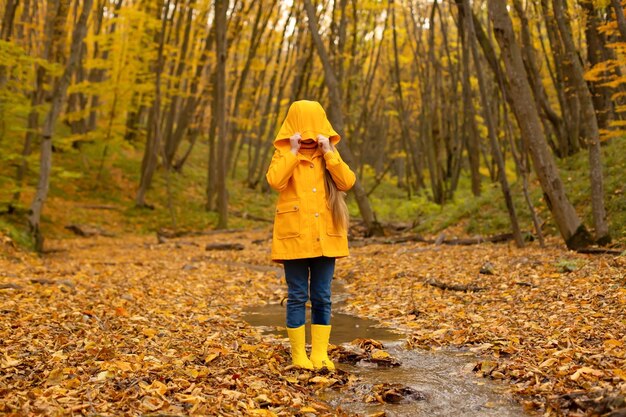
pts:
[224, 246]
[601, 251]
[42, 281]
[246, 215]
[504, 237]
[10, 285]
[101, 207]
[168, 233]
[88, 231]
[454, 287]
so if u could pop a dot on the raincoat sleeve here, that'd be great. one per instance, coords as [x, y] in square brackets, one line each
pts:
[281, 169]
[339, 170]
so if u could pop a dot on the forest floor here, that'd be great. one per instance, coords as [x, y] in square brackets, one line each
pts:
[140, 325]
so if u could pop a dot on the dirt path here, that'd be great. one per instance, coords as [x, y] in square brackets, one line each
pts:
[126, 325]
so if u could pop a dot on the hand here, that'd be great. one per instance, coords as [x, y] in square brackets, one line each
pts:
[324, 143]
[295, 142]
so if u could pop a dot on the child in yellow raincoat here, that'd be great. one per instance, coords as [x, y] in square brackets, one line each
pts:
[311, 223]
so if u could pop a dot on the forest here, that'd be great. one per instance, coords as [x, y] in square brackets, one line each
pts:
[438, 102]
[492, 131]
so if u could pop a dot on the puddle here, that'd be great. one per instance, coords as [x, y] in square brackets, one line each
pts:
[444, 377]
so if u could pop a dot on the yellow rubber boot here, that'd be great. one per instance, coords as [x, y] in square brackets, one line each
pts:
[319, 346]
[297, 338]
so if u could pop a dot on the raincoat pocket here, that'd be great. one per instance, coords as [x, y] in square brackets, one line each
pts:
[332, 230]
[287, 221]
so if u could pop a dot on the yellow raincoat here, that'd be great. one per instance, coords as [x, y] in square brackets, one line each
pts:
[303, 224]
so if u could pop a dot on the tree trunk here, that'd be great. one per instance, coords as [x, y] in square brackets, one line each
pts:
[6, 28]
[258, 28]
[592, 134]
[571, 228]
[211, 187]
[336, 116]
[619, 16]
[491, 128]
[5, 32]
[170, 144]
[189, 108]
[470, 131]
[255, 159]
[221, 49]
[153, 141]
[597, 52]
[564, 86]
[536, 83]
[406, 138]
[58, 96]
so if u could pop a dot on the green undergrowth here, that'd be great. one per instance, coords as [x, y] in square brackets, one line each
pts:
[487, 213]
[80, 187]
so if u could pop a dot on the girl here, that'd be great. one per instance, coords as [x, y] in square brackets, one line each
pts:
[311, 223]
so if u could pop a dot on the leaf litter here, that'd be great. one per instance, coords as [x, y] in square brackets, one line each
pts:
[127, 325]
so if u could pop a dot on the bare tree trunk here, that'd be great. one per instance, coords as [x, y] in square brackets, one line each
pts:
[189, 109]
[5, 34]
[597, 52]
[221, 49]
[571, 228]
[336, 116]
[522, 163]
[303, 55]
[211, 188]
[430, 115]
[470, 131]
[491, 128]
[564, 86]
[170, 144]
[451, 106]
[37, 96]
[619, 15]
[258, 28]
[255, 160]
[97, 75]
[403, 117]
[58, 96]
[536, 83]
[153, 141]
[591, 128]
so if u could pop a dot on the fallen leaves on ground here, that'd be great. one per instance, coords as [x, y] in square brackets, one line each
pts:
[126, 326]
[549, 321]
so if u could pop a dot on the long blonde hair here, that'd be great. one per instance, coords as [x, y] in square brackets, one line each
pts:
[336, 200]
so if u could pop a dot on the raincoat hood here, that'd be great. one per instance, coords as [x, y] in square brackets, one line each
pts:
[308, 118]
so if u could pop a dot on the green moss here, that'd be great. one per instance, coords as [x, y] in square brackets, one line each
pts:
[16, 229]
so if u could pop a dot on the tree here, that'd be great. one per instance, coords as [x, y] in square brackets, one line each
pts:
[153, 142]
[591, 131]
[57, 99]
[337, 120]
[491, 128]
[221, 49]
[571, 228]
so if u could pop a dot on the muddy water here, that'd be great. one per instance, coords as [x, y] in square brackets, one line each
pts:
[444, 377]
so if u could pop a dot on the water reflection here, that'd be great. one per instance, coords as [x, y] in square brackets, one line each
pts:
[444, 376]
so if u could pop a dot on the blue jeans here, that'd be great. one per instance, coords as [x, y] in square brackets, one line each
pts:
[297, 272]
